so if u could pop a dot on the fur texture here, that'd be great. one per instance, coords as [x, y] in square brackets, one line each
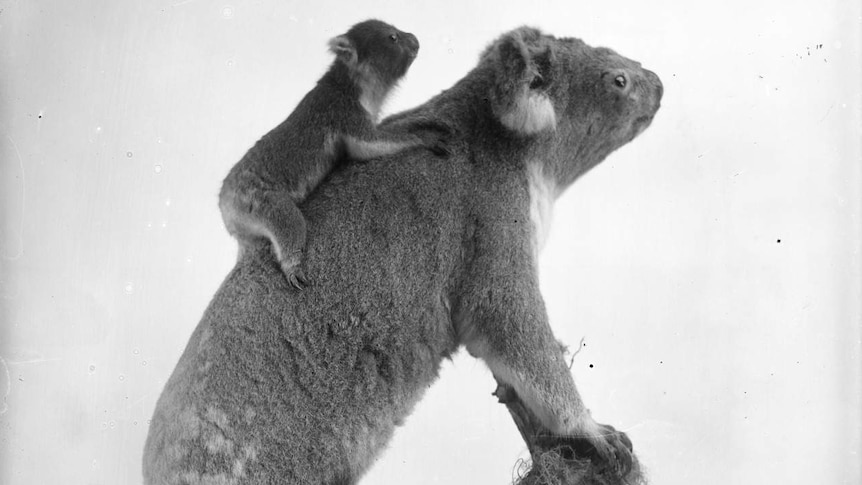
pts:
[259, 196]
[414, 256]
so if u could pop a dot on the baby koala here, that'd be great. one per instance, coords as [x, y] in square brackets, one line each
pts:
[336, 119]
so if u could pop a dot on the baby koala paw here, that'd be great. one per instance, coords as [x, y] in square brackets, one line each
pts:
[294, 273]
[297, 279]
[436, 143]
[440, 148]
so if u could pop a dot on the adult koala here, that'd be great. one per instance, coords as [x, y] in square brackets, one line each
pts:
[413, 256]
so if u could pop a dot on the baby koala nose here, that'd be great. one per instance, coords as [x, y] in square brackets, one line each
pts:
[412, 42]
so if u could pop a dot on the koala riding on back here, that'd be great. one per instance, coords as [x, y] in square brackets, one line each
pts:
[335, 119]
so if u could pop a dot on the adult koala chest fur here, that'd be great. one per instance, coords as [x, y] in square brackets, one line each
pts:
[414, 255]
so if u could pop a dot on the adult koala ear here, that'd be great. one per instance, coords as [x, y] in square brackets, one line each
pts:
[344, 50]
[523, 73]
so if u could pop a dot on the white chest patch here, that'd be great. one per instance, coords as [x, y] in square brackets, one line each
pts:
[372, 92]
[371, 105]
[542, 196]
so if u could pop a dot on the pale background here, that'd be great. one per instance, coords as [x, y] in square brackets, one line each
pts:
[728, 356]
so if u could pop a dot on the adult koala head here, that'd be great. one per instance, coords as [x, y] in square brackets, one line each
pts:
[592, 100]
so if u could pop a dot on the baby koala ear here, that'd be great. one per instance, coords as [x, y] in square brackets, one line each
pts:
[344, 50]
[523, 65]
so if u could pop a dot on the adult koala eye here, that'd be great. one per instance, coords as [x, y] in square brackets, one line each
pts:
[620, 81]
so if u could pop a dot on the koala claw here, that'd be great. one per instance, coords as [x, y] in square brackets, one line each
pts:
[297, 279]
[615, 454]
[440, 149]
[610, 452]
[294, 274]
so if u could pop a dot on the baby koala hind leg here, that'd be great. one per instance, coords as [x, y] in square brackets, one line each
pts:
[277, 218]
[288, 243]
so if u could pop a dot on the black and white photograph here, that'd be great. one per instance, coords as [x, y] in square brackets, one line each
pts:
[253, 242]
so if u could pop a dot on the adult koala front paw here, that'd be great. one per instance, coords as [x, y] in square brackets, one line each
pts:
[610, 451]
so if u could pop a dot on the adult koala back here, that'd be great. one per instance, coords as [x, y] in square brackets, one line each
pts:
[413, 256]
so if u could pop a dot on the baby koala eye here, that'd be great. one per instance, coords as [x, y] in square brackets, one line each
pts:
[620, 81]
[393, 37]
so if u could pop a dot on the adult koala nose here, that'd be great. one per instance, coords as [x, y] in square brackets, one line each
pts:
[649, 92]
[658, 88]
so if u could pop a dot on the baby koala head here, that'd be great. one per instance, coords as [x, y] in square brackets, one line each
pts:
[377, 56]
